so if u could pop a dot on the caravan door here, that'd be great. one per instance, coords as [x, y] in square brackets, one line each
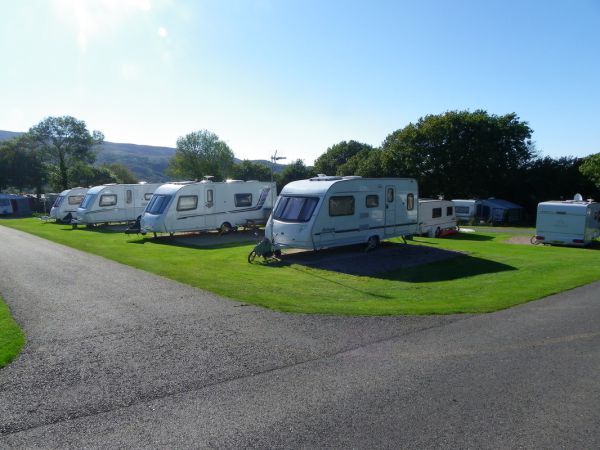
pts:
[390, 210]
[210, 208]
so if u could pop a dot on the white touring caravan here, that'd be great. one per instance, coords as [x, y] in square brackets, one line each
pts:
[436, 218]
[111, 203]
[328, 211]
[206, 205]
[66, 204]
[573, 222]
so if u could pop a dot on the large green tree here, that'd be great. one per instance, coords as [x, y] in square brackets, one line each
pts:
[297, 170]
[460, 153]
[591, 168]
[248, 170]
[65, 142]
[21, 165]
[335, 156]
[201, 153]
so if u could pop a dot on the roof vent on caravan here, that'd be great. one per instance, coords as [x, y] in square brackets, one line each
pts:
[207, 179]
[322, 177]
[578, 198]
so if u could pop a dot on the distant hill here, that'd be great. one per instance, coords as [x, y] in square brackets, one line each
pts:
[147, 162]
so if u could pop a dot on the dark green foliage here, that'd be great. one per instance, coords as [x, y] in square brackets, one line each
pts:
[460, 153]
[330, 162]
[64, 142]
[121, 173]
[293, 172]
[591, 169]
[366, 163]
[87, 175]
[21, 165]
[248, 170]
[199, 154]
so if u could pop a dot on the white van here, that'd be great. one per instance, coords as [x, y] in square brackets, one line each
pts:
[113, 203]
[572, 222]
[436, 218]
[66, 204]
[328, 211]
[206, 205]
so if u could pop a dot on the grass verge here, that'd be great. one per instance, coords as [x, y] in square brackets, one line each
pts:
[12, 338]
[492, 274]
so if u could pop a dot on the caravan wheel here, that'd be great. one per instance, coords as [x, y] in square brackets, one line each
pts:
[372, 243]
[225, 228]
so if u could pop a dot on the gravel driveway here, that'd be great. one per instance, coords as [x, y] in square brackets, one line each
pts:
[120, 358]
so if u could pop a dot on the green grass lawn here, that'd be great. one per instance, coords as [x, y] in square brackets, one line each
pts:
[491, 275]
[12, 338]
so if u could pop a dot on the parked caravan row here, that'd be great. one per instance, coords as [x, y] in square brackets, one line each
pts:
[573, 222]
[207, 205]
[491, 210]
[329, 211]
[14, 205]
[65, 206]
[436, 218]
[111, 203]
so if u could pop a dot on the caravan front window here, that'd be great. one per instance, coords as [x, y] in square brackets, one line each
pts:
[158, 204]
[58, 201]
[295, 209]
[87, 201]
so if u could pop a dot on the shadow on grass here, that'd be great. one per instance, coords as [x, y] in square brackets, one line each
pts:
[470, 237]
[463, 266]
[202, 240]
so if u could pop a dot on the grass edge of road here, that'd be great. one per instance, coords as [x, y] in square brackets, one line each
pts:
[12, 338]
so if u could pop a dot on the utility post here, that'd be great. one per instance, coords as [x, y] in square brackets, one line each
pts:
[274, 159]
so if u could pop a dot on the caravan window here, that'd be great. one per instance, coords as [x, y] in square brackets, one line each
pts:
[295, 209]
[449, 211]
[129, 197]
[87, 201]
[410, 202]
[75, 199]
[209, 198]
[147, 195]
[108, 200]
[462, 210]
[187, 202]
[389, 196]
[372, 201]
[243, 200]
[341, 206]
[436, 212]
[157, 204]
[57, 202]
[5, 202]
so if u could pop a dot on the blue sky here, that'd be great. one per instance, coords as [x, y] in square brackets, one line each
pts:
[300, 75]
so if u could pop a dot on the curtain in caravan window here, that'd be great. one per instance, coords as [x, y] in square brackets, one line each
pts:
[410, 202]
[187, 202]
[129, 197]
[108, 200]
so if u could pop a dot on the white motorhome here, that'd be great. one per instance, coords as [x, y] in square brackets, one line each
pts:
[328, 211]
[66, 204]
[465, 210]
[572, 222]
[112, 203]
[206, 205]
[436, 218]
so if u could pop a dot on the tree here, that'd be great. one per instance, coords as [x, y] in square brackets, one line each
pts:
[366, 163]
[87, 175]
[65, 142]
[21, 166]
[199, 154]
[248, 170]
[121, 173]
[292, 172]
[336, 155]
[591, 168]
[460, 153]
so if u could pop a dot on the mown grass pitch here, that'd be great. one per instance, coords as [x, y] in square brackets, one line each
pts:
[491, 275]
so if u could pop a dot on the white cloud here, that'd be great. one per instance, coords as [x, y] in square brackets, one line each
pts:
[162, 32]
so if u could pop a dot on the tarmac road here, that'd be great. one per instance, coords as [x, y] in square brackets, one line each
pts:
[117, 357]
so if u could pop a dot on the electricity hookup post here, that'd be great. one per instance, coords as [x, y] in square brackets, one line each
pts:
[274, 159]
